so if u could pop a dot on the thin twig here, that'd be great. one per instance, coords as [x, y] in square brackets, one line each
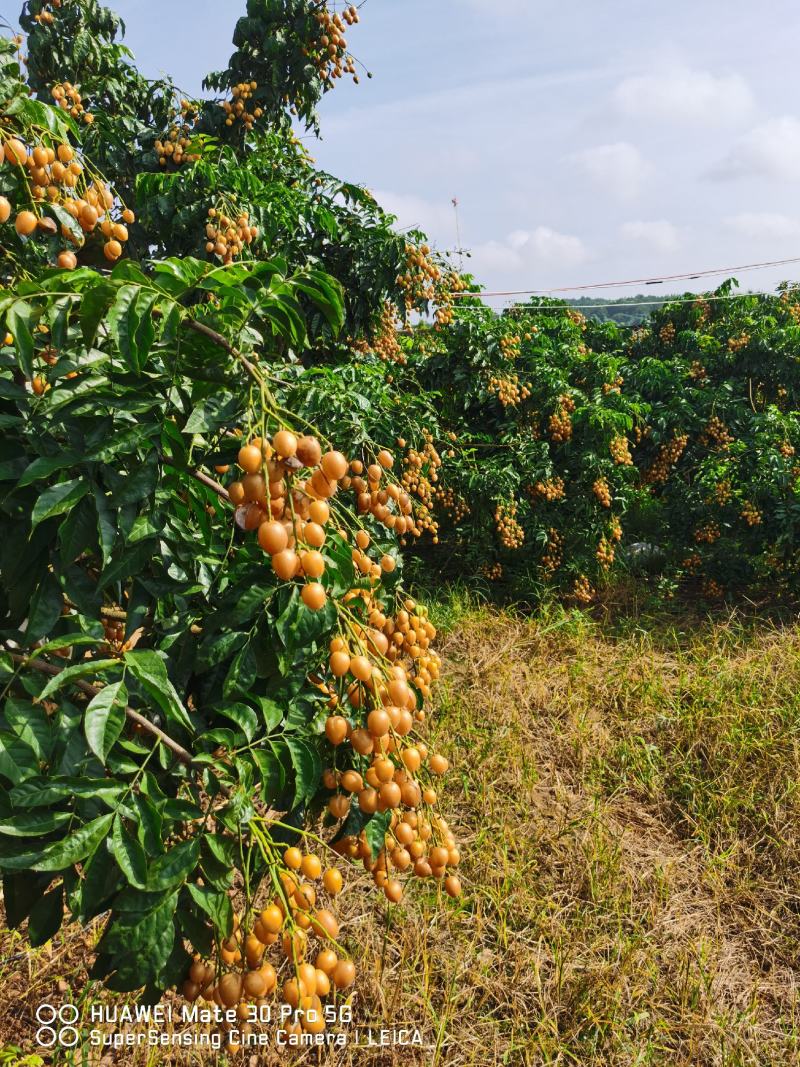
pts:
[223, 342]
[93, 690]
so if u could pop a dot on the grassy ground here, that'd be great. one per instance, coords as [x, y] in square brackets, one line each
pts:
[626, 796]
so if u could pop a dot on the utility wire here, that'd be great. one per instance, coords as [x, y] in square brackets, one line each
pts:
[658, 280]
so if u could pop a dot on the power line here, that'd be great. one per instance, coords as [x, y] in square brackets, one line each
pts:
[658, 280]
[588, 308]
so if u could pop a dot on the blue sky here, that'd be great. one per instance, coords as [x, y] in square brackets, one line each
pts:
[584, 142]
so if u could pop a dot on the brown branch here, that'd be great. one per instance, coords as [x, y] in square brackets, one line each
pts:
[93, 690]
[209, 483]
[223, 342]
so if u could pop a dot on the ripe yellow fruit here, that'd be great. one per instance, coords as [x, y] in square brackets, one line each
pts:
[293, 858]
[285, 444]
[5, 209]
[25, 223]
[314, 596]
[112, 250]
[332, 880]
[67, 261]
[311, 867]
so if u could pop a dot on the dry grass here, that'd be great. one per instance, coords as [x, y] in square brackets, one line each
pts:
[627, 800]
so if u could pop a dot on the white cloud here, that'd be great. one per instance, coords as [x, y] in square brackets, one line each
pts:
[659, 235]
[619, 168]
[436, 218]
[687, 96]
[771, 150]
[524, 250]
[764, 224]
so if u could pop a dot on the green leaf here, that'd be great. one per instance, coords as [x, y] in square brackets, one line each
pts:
[307, 766]
[45, 609]
[149, 670]
[79, 670]
[175, 866]
[129, 854]
[375, 831]
[105, 718]
[33, 824]
[44, 466]
[19, 319]
[58, 499]
[76, 847]
[244, 717]
[40, 792]
[46, 917]
[31, 724]
[216, 904]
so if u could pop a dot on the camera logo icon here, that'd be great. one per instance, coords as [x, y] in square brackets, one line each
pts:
[57, 1026]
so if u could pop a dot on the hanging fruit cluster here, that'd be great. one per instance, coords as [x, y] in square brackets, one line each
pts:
[329, 50]
[289, 948]
[509, 530]
[602, 492]
[227, 235]
[510, 345]
[508, 390]
[717, 435]
[45, 16]
[51, 173]
[553, 555]
[668, 455]
[550, 490]
[582, 590]
[237, 109]
[620, 451]
[559, 424]
[605, 553]
[68, 98]
[173, 149]
[736, 344]
[751, 515]
[384, 342]
[708, 533]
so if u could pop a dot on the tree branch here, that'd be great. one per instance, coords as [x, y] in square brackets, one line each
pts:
[92, 691]
[223, 342]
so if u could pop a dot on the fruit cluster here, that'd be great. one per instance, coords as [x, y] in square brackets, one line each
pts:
[582, 590]
[510, 345]
[227, 237]
[508, 390]
[329, 50]
[384, 343]
[66, 96]
[613, 387]
[550, 490]
[751, 515]
[55, 175]
[736, 344]
[237, 109]
[553, 554]
[708, 533]
[559, 425]
[419, 279]
[667, 333]
[716, 434]
[509, 530]
[666, 458]
[605, 553]
[620, 451]
[172, 148]
[602, 492]
[45, 16]
[244, 978]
